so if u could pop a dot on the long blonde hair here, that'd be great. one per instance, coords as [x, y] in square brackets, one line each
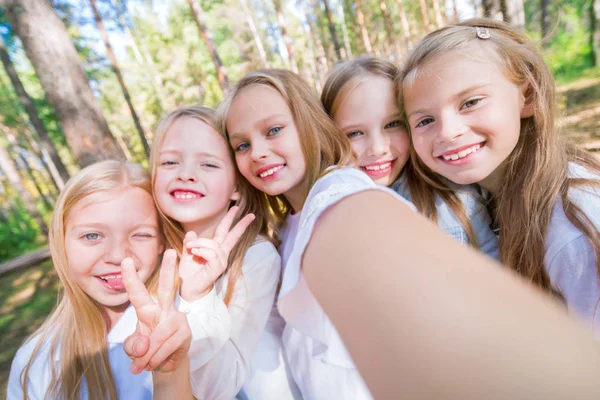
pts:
[77, 327]
[344, 78]
[323, 145]
[248, 203]
[537, 171]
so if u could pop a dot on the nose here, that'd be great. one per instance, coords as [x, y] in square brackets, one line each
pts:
[187, 173]
[118, 250]
[379, 144]
[260, 150]
[451, 128]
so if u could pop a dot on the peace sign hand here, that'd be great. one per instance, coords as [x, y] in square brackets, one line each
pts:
[204, 260]
[162, 337]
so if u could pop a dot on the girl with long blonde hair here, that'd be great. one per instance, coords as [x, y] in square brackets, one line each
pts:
[105, 215]
[228, 278]
[296, 158]
[481, 106]
[360, 97]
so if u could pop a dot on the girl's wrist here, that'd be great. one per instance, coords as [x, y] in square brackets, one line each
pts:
[190, 294]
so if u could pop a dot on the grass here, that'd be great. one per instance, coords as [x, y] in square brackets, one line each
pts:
[26, 297]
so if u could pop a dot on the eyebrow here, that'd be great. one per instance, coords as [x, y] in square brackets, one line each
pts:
[100, 225]
[177, 152]
[457, 95]
[261, 122]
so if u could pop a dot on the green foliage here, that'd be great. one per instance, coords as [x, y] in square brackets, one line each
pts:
[18, 232]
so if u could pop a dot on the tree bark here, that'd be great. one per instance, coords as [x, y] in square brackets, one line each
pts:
[7, 165]
[545, 19]
[209, 42]
[334, 38]
[595, 30]
[360, 18]
[319, 49]
[117, 71]
[284, 34]
[405, 26]
[425, 15]
[347, 47]
[437, 10]
[256, 37]
[27, 102]
[56, 62]
[389, 27]
[515, 12]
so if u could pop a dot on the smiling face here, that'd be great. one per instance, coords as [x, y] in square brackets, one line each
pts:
[465, 116]
[195, 177]
[264, 137]
[369, 117]
[100, 231]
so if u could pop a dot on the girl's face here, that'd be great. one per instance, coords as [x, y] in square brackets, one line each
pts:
[104, 228]
[266, 143]
[370, 118]
[465, 116]
[195, 177]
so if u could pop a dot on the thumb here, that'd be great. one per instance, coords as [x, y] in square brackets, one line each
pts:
[136, 345]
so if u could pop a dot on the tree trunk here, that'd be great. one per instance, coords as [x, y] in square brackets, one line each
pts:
[425, 15]
[256, 37]
[347, 46]
[117, 71]
[18, 151]
[8, 166]
[545, 19]
[360, 19]
[27, 102]
[437, 10]
[595, 30]
[58, 67]
[389, 27]
[515, 13]
[334, 38]
[209, 42]
[350, 18]
[492, 9]
[286, 39]
[318, 44]
[149, 67]
[405, 26]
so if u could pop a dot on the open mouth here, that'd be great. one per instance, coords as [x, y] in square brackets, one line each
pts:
[379, 169]
[270, 171]
[112, 282]
[462, 153]
[186, 195]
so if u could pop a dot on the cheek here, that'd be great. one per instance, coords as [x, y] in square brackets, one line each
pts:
[400, 143]
[358, 148]
[243, 165]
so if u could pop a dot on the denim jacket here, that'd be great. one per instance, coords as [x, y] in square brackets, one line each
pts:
[474, 204]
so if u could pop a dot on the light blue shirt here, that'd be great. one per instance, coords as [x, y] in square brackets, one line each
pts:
[570, 259]
[476, 210]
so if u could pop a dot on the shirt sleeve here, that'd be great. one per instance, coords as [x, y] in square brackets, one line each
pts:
[14, 389]
[222, 376]
[573, 272]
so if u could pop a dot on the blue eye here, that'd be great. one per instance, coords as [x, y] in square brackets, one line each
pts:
[168, 163]
[354, 134]
[91, 236]
[391, 125]
[274, 131]
[241, 147]
[424, 122]
[471, 103]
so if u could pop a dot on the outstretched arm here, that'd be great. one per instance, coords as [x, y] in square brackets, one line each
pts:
[426, 317]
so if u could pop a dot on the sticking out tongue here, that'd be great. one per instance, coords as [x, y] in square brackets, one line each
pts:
[114, 283]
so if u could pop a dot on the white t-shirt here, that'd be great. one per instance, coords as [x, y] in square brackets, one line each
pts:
[319, 361]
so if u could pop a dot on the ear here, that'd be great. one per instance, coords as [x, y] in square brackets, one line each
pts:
[236, 195]
[526, 101]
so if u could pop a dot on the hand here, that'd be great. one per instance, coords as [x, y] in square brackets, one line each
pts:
[204, 260]
[162, 337]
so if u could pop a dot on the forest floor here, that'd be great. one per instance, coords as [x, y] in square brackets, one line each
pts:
[27, 296]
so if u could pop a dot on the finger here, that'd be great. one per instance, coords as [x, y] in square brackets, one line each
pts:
[136, 290]
[180, 340]
[191, 235]
[159, 336]
[214, 264]
[136, 345]
[236, 233]
[223, 227]
[203, 242]
[166, 281]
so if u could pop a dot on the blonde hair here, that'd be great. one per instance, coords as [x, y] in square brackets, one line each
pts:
[77, 327]
[344, 78]
[537, 170]
[248, 203]
[323, 145]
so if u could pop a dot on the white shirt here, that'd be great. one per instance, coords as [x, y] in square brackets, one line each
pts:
[320, 364]
[241, 345]
[570, 260]
[129, 386]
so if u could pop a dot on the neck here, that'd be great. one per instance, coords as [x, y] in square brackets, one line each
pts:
[297, 196]
[492, 182]
[114, 313]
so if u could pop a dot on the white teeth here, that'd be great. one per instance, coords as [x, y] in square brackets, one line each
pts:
[270, 171]
[185, 195]
[377, 167]
[462, 154]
